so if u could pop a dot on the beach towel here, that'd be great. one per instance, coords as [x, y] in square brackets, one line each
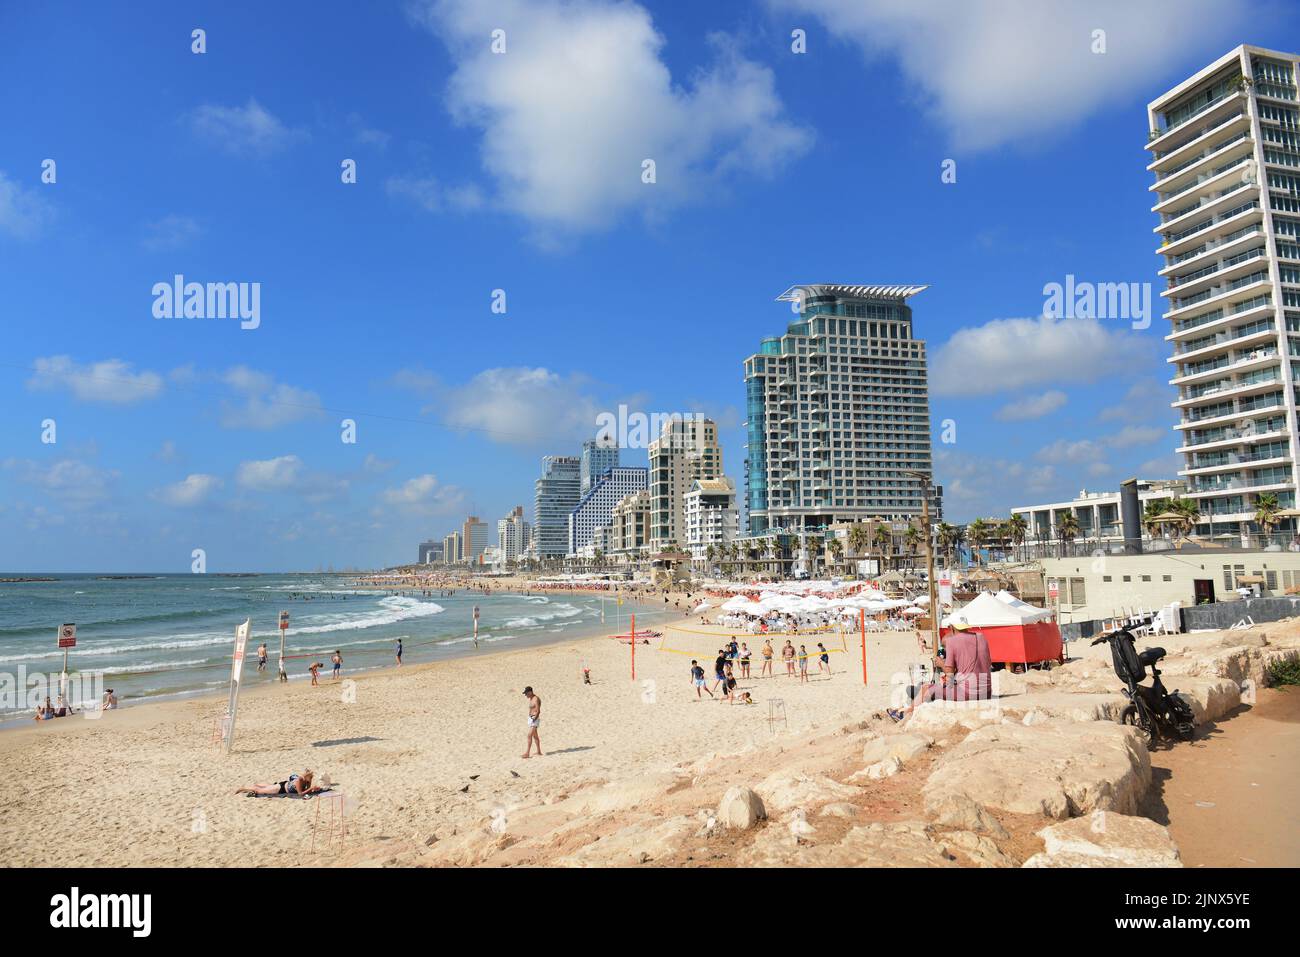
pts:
[300, 797]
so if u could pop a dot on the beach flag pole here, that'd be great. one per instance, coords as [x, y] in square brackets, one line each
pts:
[862, 621]
[634, 646]
[284, 629]
[236, 670]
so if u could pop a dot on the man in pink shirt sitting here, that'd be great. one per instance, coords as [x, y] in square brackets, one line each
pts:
[967, 667]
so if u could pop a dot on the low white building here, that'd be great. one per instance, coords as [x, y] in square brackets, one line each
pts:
[711, 520]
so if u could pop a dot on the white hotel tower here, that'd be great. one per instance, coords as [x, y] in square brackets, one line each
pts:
[1225, 148]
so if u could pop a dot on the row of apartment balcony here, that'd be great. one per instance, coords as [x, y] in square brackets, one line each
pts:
[1212, 245]
[1223, 267]
[1259, 329]
[1199, 181]
[1239, 359]
[1232, 435]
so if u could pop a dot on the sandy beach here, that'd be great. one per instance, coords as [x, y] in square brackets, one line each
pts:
[146, 785]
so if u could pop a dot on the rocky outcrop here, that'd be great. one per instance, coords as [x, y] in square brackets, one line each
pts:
[641, 843]
[1058, 769]
[873, 845]
[786, 790]
[1106, 839]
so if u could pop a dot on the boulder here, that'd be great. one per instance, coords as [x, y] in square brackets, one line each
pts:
[741, 808]
[881, 769]
[1106, 839]
[639, 843]
[784, 790]
[981, 851]
[959, 811]
[1059, 769]
[872, 845]
[903, 746]
[1210, 698]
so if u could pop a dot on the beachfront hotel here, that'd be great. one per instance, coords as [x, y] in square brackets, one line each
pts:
[685, 451]
[710, 518]
[556, 494]
[595, 510]
[837, 412]
[629, 527]
[1225, 147]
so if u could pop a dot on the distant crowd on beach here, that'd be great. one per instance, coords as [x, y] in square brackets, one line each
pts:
[737, 656]
[49, 711]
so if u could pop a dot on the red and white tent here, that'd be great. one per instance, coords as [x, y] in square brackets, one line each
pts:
[1017, 632]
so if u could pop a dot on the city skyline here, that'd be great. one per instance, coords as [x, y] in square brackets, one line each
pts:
[378, 300]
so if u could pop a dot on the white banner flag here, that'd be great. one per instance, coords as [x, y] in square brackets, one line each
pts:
[236, 670]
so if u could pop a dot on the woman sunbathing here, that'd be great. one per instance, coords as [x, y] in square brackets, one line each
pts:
[294, 787]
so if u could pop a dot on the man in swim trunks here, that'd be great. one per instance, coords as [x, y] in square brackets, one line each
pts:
[823, 660]
[744, 660]
[534, 720]
[767, 659]
[338, 664]
[719, 669]
[697, 679]
[261, 657]
[787, 653]
[399, 652]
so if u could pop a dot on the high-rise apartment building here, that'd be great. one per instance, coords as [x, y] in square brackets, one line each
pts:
[710, 511]
[687, 449]
[1225, 155]
[597, 459]
[838, 411]
[595, 509]
[451, 549]
[513, 533]
[556, 494]
[629, 526]
[474, 538]
[430, 552]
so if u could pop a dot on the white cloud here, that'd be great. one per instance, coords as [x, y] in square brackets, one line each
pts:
[110, 380]
[1032, 406]
[71, 481]
[1018, 70]
[522, 406]
[192, 490]
[23, 213]
[423, 494]
[250, 129]
[270, 475]
[265, 404]
[431, 196]
[1138, 401]
[170, 232]
[1007, 354]
[583, 96]
[975, 485]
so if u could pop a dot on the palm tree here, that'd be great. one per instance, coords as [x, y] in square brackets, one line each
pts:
[949, 539]
[1266, 508]
[814, 550]
[837, 550]
[1190, 512]
[859, 539]
[1154, 509]
[977, 533]
[710, 553]
[912, 537]
[883, 539]
[1017, 529]
[1067, 527]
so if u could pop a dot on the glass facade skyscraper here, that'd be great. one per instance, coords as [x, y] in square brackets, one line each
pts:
[837, 411]
[556, 494]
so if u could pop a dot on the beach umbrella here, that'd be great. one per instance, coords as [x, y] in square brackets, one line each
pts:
[912, 611]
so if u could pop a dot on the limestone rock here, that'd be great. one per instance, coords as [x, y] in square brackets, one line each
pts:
[903, 746]
[741, 808]
[959, 811]
[639, 843]
[873, 845]
[784, 790]
[1106, 839]
[1059, 769]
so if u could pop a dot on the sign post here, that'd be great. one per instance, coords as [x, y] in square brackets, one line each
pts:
[284, 629]
[236, 671]
[67, 639]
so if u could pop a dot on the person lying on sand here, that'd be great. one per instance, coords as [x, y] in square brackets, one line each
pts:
[294, 786]
[742, 698]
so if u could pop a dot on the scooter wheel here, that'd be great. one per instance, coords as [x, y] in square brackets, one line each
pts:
[1131, 718]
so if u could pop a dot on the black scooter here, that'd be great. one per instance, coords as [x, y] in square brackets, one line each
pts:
[1152, 710]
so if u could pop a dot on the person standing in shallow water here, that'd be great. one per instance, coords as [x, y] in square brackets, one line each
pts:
[534, 721]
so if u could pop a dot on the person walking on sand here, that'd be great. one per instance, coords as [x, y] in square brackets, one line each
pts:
[787, 653]
[261, 657]
[314, 668]
[823, 660]
[534, 720]
[338, 665]
[697, 679]
[719, 670]
[803, 664]
[767, 659]
[399, 652]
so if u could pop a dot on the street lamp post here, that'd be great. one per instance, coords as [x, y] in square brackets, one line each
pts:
[935, 611]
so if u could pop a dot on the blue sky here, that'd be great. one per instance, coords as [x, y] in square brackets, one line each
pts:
[522, 171]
